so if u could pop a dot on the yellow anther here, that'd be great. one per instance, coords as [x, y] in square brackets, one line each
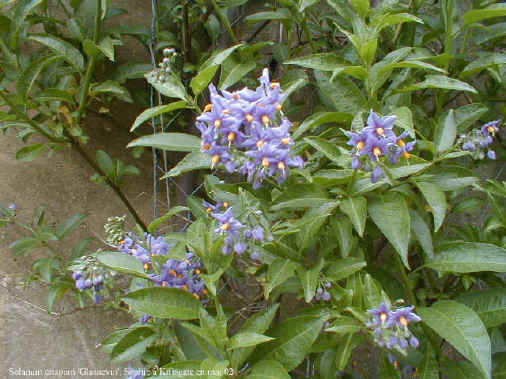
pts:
[281, 165]
[249, 117]
[179, 276]
[197, 271]
[217, 123]
[265, 162]
[209, 209]
[279, 107]
[235, 96]
[274, 84]
[491, 130]
[186, 260]
[147, 266]
[403, 321]
[383, 317]
[225, 204]
[215, 159]
[122, 242]
[406, 155]
[286, 141]
[164, 284]
[208, 108]
[360, 145]
[260, 144]
[377, 151]
[380, 131]
[205, 292]
[401, 143]
[396, 364]
[196, 296]
[172, 272]
[206, 146]
[185, 287]
[226, 111]
[231, 137]
[225, 226]
[265, 119]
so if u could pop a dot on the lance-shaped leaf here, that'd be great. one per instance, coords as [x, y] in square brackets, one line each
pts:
[325, 147]
[462, 328]
[294, 338]
[446, 132]
[483, 62]
[390, 214]
[169, 142]
[279, 271]
[171, 86]
[428, 368]
[320, 118]
[122, 262]
[422, 233]
[192, 161]
[237, 73]
[323, 61]
[343, 268]
[309, 279]
[268, 369]
[32, 72]
[156, 111]
[200, 81]
[164, 302]
[476, 15]
[356, 209]
[489, 304]
[247, 339]
[63, 48]
[436, 199]
[464, 257]
[133, 345]
[440, 81]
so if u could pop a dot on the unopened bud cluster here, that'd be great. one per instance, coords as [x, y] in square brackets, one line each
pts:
[88, 274]
[478, 141]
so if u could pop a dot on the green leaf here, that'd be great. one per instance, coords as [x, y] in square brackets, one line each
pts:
[156, 111]
[23, 245]
[476, 15]
[64, 48]
[200, 81]
[30, 152]
[395, 19]
[155, 224]
[279, 271]
[322, 61]
[489, 304]
[247, 339]
[281, 14]
[237, 73]
[294, 338]
[440, 81]
[268, 369]
[106, 164]
[446, 132]
[21, 11]
[463, 369]
[362, 7]
[499, 366]
[483, 62]
[356, 209]
[122, 262]
[32, 72]
[464, 257]
[164, 302]
[54, 94]
[342, 94]
[110, 86]
[345, 267]
[70, 225]
[320, 118]
[390, 214]
[344, 325]
[466, 115]
[325, 147]
[462, 328]
[436, 199]
[342, 229]
[344, 352]
[428, 368]
[405, 120]
[304, 4]
[169, 142]
[309, 279]
[133, 345]
[112, 339]
[218, 57]
[170, 87]
[422, 233]
[190, 344]
[191, 162]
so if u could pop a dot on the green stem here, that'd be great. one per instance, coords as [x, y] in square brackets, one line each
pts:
[308, 36]
[224, 20]
[83, 98]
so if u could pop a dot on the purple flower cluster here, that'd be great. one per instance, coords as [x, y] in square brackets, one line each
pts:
[90, 276]
[375, 142]
[144, 249]
[391, 327]
[183, 274]
[322, 293]
[479, 140]
[236, 233]
[246, 133]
